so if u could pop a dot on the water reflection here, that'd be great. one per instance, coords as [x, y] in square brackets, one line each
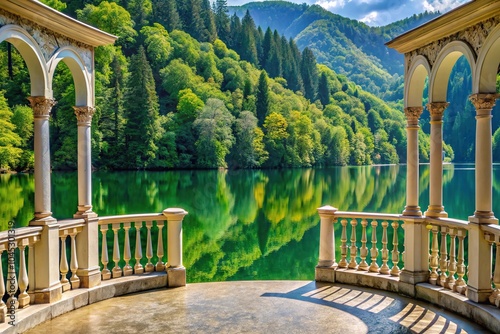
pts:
[245, 224]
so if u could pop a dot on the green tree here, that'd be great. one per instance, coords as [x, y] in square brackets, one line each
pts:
[276, 134]
[249, 151]
[22, 118]
[323, 90]
[215, 135]
[165, 13]
[141, 11]
[309, 73]
[56, 4]
[10, 142]
[262, 103]
[222, 19]
[247, 37]
[141, 109]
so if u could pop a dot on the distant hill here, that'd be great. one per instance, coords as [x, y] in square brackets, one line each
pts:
[347, 46]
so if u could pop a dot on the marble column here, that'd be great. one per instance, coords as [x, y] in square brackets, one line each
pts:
[41, 109]
[412, 174]
[436, 208]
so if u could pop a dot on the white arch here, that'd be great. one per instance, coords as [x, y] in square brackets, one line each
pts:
[32, 55]
[440, 74]
[415, 81]
[485, 78]
[81, 75]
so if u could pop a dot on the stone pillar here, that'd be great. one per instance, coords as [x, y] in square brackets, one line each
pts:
[46, 286]
[436, 208]
[87, 241]
[325, 270]
[41, 109]
[175, 269]
[412, 174]
[479, 269]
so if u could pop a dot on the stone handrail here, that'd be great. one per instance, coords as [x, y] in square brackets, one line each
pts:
[492, 234]
[147, 223]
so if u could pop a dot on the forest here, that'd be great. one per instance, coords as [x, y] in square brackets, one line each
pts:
[187, 85]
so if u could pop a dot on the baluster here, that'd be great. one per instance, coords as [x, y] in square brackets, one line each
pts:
[384, 269]
[117, 271]
[363, 251]
[460, 285]
[63, 264]
[24, 298]
[354, 250]
[343, 246]
[105, 273]
[443, 256]
[127, 255]
[75, 280]
[395, 252]
[138, 268]
[11, 277]
[434, 261]
[452, 263]
[495, 296]
[149, 248]
[374, 251]
[160, 266]
[31, 267]
[3, 307]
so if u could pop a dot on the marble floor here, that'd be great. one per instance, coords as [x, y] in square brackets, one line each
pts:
[260, 307]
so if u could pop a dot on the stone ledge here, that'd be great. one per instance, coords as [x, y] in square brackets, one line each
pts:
[71, 300]
[367, 279]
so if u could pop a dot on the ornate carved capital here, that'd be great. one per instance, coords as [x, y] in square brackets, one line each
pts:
[484, 101]
[84, 114]
[436, 109]
[41, 106]
[413, 113]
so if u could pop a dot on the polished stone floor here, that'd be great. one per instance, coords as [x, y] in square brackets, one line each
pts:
[260, 307]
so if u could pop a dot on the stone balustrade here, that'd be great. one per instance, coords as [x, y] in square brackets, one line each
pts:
[492, 234]
[20, 272]
[71, 228]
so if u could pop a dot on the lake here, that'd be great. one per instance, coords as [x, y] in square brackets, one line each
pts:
[246, 224]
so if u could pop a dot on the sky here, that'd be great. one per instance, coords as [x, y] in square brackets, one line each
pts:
[375, 12]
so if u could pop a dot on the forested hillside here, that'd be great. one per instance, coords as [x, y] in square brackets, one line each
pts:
[188, 86]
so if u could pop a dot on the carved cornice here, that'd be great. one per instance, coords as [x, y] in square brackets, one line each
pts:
[413, 113]
[436, 109]
[84, 114]
[41, 106]
[484, 101]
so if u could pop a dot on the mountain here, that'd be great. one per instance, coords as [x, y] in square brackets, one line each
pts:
[347, 46]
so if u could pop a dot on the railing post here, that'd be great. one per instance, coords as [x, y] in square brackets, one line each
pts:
[87, 251]
[325, 270]
[176, 272]
[416, 259]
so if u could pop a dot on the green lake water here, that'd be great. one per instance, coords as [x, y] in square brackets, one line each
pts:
[246, 224]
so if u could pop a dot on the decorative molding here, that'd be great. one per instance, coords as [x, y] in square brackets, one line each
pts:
[41, 106]
[484, 101]
[413, 113]
[84, 114]
[436, 109]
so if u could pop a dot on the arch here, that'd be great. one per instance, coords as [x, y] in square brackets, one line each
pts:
[415, 81]
[485, 78]
[83, 88]
[440, 74]
[32, 55]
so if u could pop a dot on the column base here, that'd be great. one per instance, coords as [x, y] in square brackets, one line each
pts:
[412, 210]
[483, 217]
[85, 212]
[478, 296]
[49, 295]
[176, 277]
[325, 274]
[435, 211]
[414, 277]
[89, 278]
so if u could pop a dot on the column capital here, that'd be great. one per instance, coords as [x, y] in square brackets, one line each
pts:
[484, 101]
[436, 109]
[41, 106]
[84, 114]
[413, 114]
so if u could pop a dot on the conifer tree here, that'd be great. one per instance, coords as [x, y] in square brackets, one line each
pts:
[323, 90]
[165, 13]
[266, 47]
[234, 41]
[309, 73]
[209, 31]
[141, 109]
[249, 48]
[222, 20]
[262, 103]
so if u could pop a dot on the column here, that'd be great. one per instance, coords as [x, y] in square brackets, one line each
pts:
[479, 269]
[412, 174]
[46, 287]
[436, 208]
[87, 241]
[176, 271]
[325, 270]
[41, 110]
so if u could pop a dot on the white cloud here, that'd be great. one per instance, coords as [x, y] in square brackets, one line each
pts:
[441, 5]
[370, 18]
[328, 5]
